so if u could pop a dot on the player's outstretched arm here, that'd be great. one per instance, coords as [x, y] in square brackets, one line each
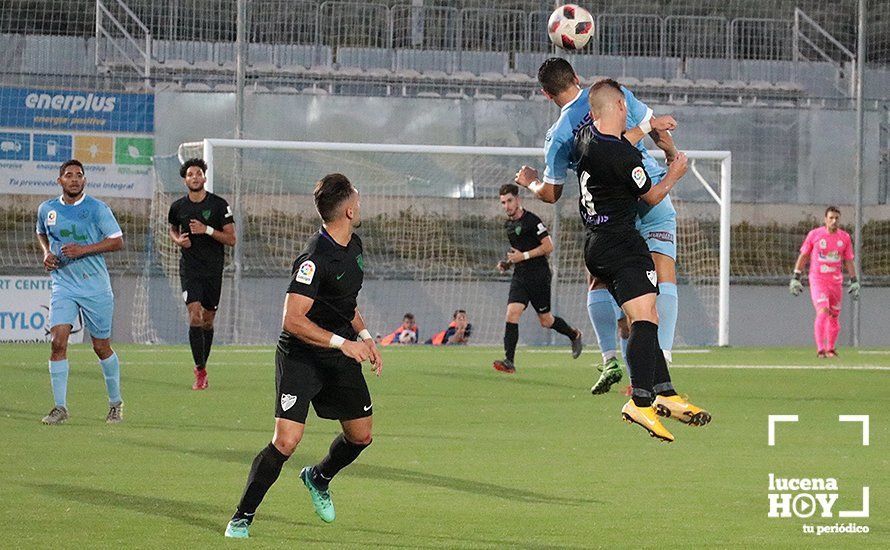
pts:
[295, 321]
[528, 177]
[676, 170]
[110, 244]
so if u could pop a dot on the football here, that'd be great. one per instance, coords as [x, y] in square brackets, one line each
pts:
[407, 337]
[570, 27]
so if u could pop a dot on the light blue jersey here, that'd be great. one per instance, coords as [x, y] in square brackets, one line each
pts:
[560, 140]
[88, 221]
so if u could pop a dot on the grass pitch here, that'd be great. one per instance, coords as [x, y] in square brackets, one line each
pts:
[463, 456]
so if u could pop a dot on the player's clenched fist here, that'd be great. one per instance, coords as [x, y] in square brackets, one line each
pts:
[663, 122]
[526, 175]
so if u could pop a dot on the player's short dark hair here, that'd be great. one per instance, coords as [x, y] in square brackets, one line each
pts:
[183, 170]
[834, 209]
[408, 316]
[605, 83]
[330, 192]
[456, 311]
[556, 75]
[71, 162]
[509, 189]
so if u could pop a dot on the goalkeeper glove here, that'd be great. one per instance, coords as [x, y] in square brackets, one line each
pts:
[795, 287]
[854, 287]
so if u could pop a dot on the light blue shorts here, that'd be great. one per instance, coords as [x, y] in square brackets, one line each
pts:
[97, 312]
[660, 234]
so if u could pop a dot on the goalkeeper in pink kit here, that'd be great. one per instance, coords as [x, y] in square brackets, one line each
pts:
[829, 250]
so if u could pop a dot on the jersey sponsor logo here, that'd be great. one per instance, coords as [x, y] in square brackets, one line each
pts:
[653, 277]
[368, 408]
[665, 236]
[306, 272]
[340, 276]
[185, 296]
[639, 176]
[287, 401]
[229, 213]
[541, 228]
[73, 234]
[51, 217]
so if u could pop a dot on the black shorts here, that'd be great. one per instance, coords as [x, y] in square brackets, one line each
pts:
[201, 289]
[332, 382]
[531, 287]
[622, 261]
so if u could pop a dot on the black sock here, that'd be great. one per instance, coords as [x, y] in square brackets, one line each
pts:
[511, 338]
[560, 326]
[263, 473]
[661, 382]
[196, 341]
[341, 454]
[641, 348]
[208, 341]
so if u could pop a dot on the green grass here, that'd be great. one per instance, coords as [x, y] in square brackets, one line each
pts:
[463, 456]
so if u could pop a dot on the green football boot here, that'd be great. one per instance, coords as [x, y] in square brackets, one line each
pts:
[611, 374]
[238, 529]
[324, 506]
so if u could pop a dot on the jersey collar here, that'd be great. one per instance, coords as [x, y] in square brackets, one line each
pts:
[80, 200]
[572, 102]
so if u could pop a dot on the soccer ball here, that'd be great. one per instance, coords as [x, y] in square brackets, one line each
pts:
[407, 337]
[570, 27]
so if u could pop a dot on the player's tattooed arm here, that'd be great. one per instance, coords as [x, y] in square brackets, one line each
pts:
[358, 325]
[50, 261]
[296, 307]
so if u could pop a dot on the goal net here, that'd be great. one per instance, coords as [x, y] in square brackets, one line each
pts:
[433, 230]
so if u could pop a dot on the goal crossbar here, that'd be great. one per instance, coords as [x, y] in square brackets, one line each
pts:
[721, 195]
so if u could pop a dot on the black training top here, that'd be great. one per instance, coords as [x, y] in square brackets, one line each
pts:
[525, 234]
[206, 256]
[612, 178]
[332, 275]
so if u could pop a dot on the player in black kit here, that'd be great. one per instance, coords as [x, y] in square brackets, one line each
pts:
[612, 180]
[318, 359]
[530, 244]
[201, 224]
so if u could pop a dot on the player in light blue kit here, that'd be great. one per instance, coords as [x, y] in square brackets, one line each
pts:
[74, 231]
[657, 224]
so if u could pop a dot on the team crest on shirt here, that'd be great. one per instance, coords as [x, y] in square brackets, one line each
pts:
[51, 217]
[287, 401]
[206, 214]
[639, 176]
[823, 243]
[518, 229]
[306, 272]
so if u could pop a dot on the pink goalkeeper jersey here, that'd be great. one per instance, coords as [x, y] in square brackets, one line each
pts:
[827, 253]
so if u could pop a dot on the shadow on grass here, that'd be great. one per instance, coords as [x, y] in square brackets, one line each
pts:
[182, 511]
[369, 471]
[481, 488]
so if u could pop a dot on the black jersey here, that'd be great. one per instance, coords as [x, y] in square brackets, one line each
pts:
[332, 275]
[525, 234]
[612, 178]
[206, 256]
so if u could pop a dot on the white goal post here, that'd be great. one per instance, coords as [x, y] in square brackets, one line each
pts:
[719, 193]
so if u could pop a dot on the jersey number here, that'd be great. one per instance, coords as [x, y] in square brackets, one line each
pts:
[586, 197]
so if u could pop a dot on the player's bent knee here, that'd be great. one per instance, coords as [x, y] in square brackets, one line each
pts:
[286, 443]
[360, 439]
[547, 320]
